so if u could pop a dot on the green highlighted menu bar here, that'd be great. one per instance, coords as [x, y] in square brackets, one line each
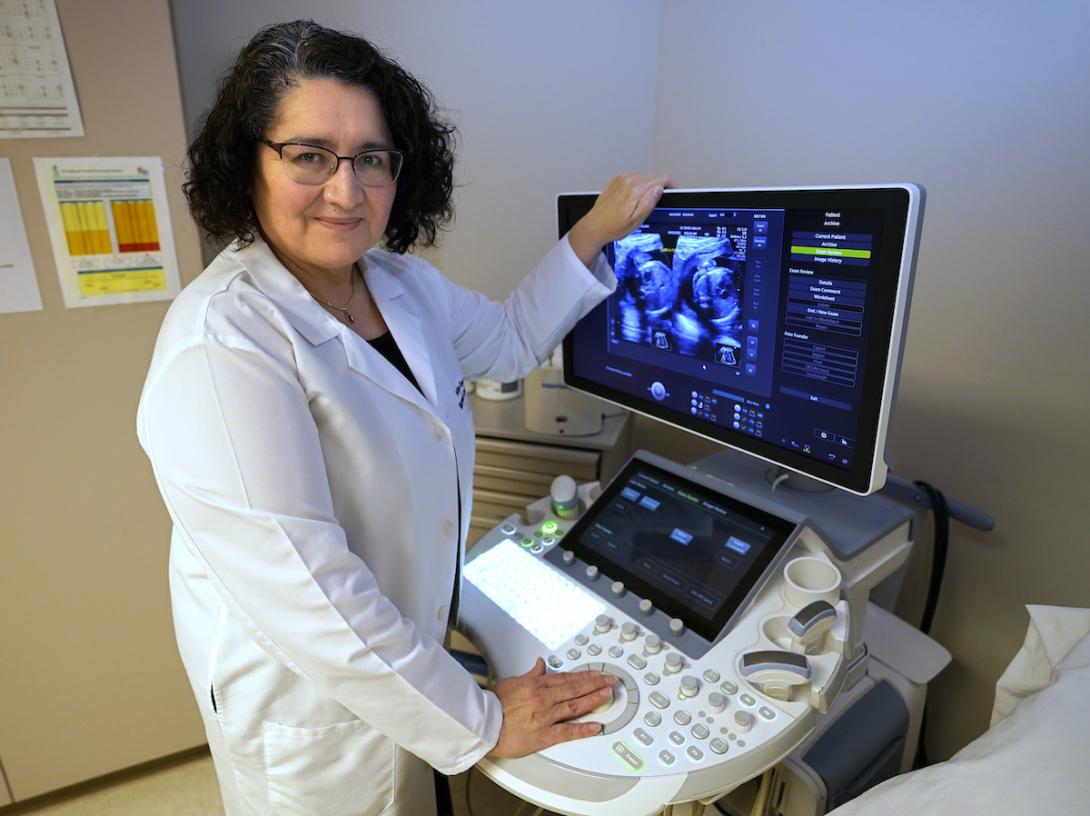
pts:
[835, 253]
[832, 248]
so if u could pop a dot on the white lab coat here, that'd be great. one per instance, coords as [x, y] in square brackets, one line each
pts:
[315, 500]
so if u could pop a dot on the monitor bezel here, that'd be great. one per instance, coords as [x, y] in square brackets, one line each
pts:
[901, 205]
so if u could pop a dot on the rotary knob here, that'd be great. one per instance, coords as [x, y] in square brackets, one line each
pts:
[652, 644]
[646, 607]
[568, 557]
[564, 495]
[716, 701]
[674, 663]
[602, 624]
[592, 573]
[743, 721]
[690, 686]
[617, 588]
[677, 626]
[629, 631]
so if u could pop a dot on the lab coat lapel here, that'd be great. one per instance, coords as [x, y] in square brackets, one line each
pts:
[318, 326]
[392, 300]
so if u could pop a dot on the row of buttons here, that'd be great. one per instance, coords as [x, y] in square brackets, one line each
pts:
[668, 758]
[699, 731]
[743, 722]
[617, 588]
[717, 702]
[548, 535]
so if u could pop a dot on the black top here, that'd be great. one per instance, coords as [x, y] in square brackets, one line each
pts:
[388, 348]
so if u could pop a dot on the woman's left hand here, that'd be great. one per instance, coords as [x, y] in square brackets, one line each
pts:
[621, 207]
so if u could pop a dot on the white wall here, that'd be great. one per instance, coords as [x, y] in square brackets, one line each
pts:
[548, 98]
[987, 105]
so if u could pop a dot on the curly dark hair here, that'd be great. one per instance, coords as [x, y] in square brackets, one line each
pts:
[220, 176]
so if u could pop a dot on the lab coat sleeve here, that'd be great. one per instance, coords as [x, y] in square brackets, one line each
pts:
[507, 340]
[236, 453]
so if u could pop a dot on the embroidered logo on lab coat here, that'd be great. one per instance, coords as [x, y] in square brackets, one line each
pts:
[460, 393]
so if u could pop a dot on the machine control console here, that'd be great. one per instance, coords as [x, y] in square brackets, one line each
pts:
[677, 590]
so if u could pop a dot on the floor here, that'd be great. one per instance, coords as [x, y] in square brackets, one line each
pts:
[186, 786]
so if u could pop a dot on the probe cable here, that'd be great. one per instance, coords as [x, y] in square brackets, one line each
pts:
[938, 567]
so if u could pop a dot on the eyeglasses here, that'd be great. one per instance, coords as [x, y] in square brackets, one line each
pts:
[310, 164]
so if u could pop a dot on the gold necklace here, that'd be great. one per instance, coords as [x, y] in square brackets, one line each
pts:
[342, 309]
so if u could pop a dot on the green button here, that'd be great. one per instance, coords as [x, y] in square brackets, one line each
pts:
[831, 252]
[630, 757]
[526, 542]
[549, 527]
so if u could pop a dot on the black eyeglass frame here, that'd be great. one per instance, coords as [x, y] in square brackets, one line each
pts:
[397, 159]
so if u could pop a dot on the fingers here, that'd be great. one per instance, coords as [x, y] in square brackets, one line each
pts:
[534, 703]
[647, 201]
[575, 684]
[578, 706]
[565, 732]
[538, 669]
[620, 208]
[629, 198]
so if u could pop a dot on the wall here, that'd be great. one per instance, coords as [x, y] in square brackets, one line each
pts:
[986, 105]
[532, 88]
[89, 671]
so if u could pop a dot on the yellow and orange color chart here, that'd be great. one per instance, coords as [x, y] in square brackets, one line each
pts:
[134, 222]
[85, 227]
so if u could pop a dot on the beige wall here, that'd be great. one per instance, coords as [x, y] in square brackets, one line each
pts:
[90, 681]
[986, 105]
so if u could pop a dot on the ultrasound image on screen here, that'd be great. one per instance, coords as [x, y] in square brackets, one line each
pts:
[681, 293]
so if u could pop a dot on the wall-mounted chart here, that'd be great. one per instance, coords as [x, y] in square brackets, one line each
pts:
[37, 95]
[110, 229]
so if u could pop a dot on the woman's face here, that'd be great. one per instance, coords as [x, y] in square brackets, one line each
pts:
[323, 227]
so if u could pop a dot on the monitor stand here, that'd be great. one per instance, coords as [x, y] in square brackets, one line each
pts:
[780, 477]
[849, 524]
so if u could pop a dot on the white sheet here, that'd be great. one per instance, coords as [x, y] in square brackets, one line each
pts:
[1035, 758]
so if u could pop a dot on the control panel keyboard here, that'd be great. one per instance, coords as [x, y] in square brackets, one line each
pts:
[522, 586]
[691, 711]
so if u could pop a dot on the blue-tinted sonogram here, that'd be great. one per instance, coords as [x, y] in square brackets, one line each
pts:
[647, 289]
[684, 298]
[708, 319]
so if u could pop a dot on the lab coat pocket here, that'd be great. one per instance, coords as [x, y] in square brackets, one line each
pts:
[345, 769]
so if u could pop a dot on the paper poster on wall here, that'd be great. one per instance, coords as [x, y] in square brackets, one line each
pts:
[18, 284]
[37, 94]
[110, 229]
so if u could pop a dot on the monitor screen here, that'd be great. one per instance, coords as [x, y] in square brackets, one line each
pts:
[770, 320]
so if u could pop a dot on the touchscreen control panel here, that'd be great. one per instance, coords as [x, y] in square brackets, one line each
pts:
[686, 557]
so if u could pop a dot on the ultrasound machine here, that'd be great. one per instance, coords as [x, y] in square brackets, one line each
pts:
[734, 598]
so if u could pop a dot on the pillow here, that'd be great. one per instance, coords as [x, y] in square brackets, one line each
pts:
[1053, 632]
[1035, 757]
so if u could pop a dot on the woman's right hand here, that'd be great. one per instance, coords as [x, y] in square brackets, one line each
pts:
[620, 208]
[537, 706]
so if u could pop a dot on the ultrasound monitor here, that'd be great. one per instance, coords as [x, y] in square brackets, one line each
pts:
[770, 320]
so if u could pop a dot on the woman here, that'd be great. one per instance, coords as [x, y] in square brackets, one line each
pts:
[305, 417]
